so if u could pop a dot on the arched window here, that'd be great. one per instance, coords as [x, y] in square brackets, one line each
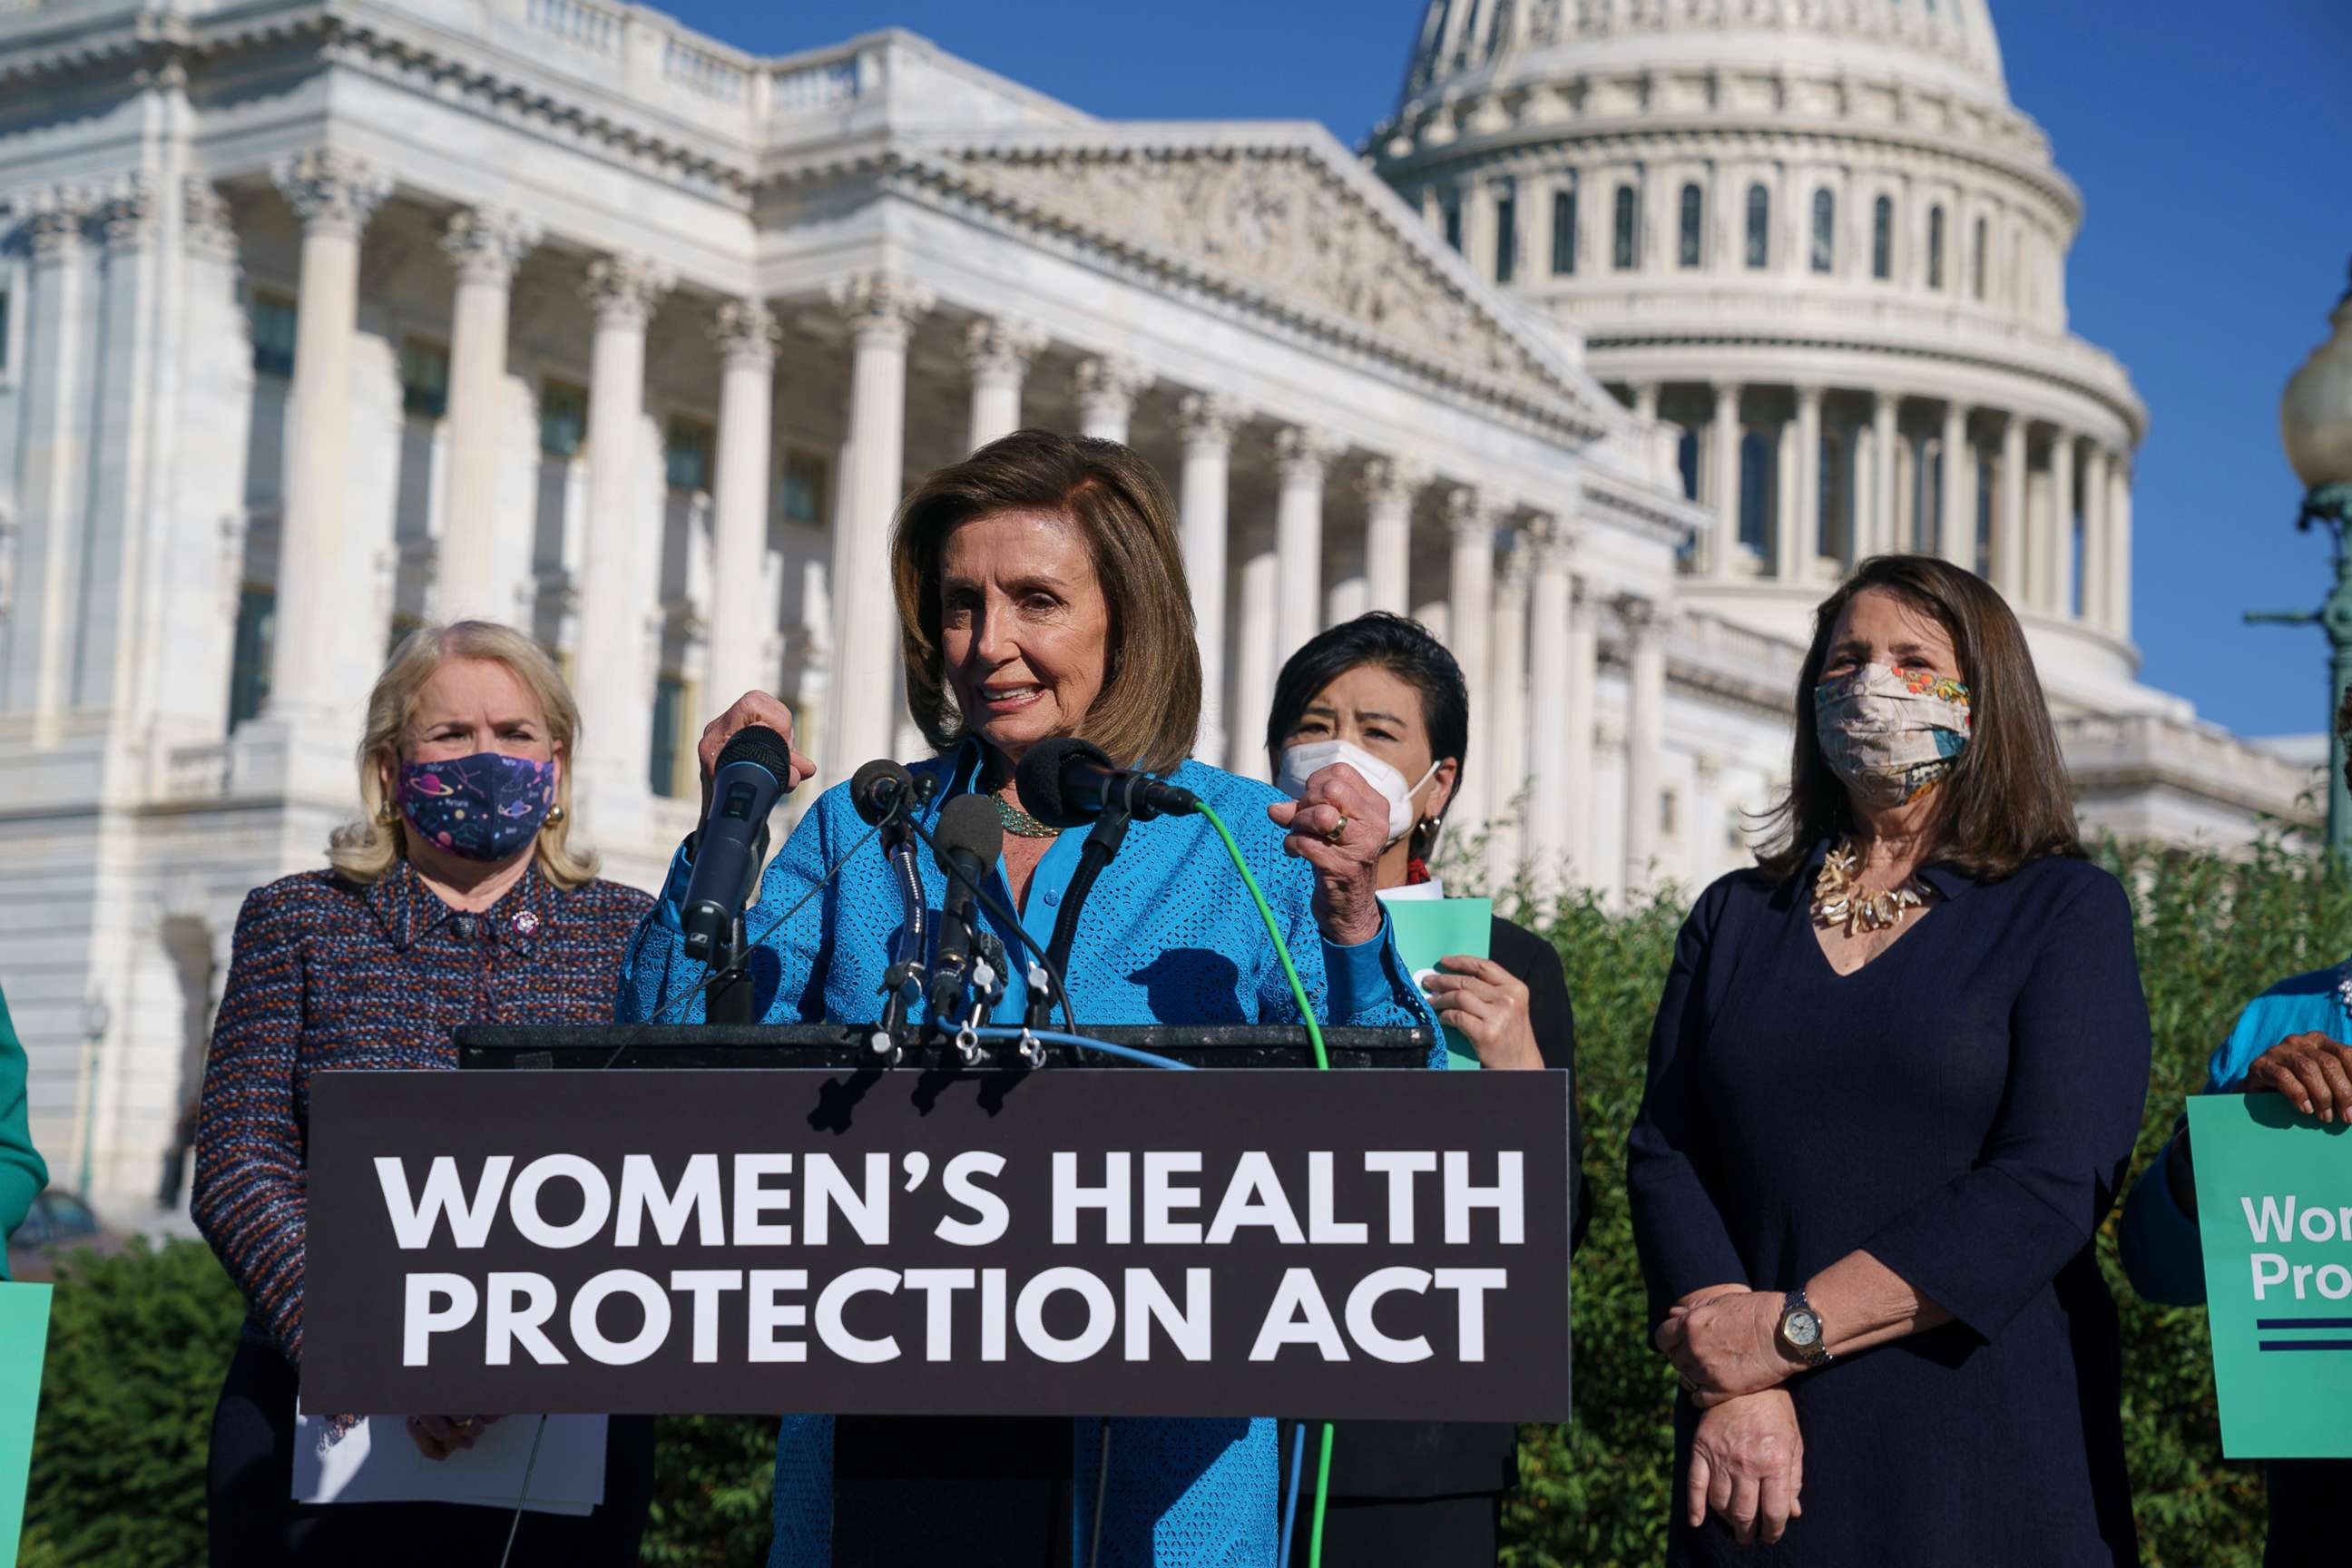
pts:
[1758, 481]
[1882, 238]
[1824, 232]
[1835, 528]
[1506, 235]
[1563, 232]
[1935, 247]
[1693, 217]
[1976, 258]
[1622, 249]
[1760, 227]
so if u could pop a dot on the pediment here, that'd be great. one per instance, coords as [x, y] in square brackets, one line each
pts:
[1292, 227]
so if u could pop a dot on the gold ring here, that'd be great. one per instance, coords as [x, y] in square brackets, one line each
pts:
[1339, 829]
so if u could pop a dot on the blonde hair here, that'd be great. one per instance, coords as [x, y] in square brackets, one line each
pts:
[366, 849]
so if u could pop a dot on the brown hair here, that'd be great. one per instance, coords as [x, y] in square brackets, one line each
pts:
[1149, 705]
[366, 849]
[2007, 800]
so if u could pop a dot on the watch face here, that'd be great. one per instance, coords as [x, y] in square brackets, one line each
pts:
[1803, 1328]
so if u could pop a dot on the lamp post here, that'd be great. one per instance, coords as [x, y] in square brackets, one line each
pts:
[2316, 423]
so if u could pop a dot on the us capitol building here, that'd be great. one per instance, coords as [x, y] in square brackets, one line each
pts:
[1635, 325]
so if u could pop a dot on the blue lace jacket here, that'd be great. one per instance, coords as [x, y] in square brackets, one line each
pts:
[1170, 936]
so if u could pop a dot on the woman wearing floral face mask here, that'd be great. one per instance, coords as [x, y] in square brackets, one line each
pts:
[1383, 696]
[1893, 1081]
[456, 899]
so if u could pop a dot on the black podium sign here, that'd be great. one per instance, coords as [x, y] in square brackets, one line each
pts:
[1062, 1242]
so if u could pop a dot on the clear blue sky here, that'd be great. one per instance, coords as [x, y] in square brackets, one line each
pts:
[2213, 145]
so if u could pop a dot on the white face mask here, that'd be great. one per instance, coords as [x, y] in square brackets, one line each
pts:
[1303, 761]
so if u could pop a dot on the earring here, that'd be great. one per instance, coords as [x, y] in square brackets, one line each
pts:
[554, 815]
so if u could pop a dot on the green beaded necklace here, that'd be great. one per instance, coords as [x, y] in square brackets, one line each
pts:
[1019, 823]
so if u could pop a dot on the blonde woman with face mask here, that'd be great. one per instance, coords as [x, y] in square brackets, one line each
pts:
[1893, 1081]
[1382, 695]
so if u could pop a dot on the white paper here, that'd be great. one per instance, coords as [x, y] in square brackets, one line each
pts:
[378, 1461]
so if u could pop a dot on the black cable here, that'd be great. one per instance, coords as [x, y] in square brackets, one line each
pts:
[1012, 923]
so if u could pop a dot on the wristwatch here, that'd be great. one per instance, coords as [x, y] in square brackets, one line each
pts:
[1800, 1334]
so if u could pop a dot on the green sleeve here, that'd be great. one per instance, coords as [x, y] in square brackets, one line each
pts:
[23, 1174]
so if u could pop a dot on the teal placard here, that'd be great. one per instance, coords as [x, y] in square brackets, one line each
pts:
[1430, 929]
[24, 1339]
[2275, 1206]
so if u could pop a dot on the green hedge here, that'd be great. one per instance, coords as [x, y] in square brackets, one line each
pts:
[139, 1341]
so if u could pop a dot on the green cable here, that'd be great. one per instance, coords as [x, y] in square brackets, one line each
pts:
[1322, 1064]
[1281, 950]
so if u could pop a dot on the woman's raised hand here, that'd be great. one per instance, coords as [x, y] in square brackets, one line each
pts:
[752, 708]
[1338, 826]
[1726, 1346]
[1748, 1467]
[2313, 1071]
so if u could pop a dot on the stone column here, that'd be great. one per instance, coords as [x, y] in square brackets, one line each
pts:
[743, 615]
[1956, 526]
[1801, 544]
[1506, 758]
[39, 623]
[1577, 769]
[999, 353]
[478, 571]
[2097, 579]
[1885, 532]
[1470, 519]
[1253, 670]
[334, 196]
[1209, 421]
[1646, 730]
[1388, 487]
[1106, 393]
[2120, 546]
[2008, 531]
[618, 617]
[1725, 558]
[2058, 580]
[108, 618]
[1302, 455]
[1550, 606]
[882, 308]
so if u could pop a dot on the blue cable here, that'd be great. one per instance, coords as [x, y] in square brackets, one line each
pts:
[1084, 1042]
[1290, 1500]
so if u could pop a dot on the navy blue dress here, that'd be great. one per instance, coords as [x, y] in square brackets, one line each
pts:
[1962, 1108]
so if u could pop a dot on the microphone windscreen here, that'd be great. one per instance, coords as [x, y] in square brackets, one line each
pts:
[1038, 779]
[871, 792]
[757, 743]
[969, 824]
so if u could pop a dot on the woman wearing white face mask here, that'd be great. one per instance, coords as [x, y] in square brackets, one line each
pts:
[1383, 696]
[1893, 1081]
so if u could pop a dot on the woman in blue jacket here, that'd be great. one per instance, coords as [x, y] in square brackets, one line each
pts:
[1041, 593]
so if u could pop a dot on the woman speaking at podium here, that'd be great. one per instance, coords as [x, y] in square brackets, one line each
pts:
[1041, 593]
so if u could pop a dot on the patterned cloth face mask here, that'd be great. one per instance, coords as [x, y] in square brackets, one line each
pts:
[484, 807]
[1891, 733]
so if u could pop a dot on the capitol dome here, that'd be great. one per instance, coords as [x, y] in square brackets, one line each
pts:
[1814, 245]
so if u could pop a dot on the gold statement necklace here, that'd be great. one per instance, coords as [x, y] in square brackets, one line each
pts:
[1841, 900]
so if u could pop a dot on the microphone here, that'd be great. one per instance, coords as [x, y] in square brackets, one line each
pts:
[753, 774]
[1068, 782]
[883, 791]
[966, 843]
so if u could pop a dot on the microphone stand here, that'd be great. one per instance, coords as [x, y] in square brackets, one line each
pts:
[903, 982]
[1100, 848]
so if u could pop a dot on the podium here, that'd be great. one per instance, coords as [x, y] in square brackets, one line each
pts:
[835, 1048]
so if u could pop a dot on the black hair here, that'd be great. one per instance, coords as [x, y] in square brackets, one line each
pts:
[1398, 643]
